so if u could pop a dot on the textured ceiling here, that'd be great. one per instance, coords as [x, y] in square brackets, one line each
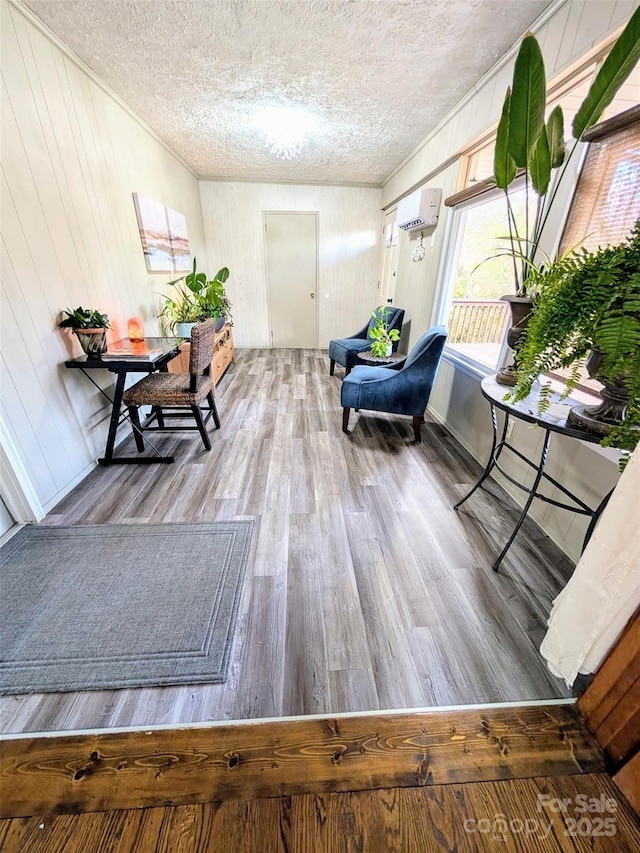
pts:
[376, 74]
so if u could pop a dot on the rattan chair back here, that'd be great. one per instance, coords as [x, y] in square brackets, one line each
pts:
[202, 343]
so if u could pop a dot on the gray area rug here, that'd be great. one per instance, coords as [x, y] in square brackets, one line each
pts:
[119, 605]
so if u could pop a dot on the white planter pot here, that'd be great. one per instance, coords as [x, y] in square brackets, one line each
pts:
[183, 330]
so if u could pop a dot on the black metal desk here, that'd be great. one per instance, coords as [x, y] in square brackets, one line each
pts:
[527, 410]
[121, 367]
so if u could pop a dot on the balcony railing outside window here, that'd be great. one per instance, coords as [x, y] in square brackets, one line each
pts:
[477, 328]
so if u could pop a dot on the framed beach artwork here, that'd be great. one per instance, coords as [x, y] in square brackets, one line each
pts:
[163, 233]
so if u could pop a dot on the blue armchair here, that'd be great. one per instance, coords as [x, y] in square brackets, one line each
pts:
[345, 350]
[401, 392]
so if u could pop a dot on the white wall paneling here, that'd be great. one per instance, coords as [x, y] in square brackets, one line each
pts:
[575, 28]
[349, 224]
[71, 159]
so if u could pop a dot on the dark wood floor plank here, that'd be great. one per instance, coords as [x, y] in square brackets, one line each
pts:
[91, 772]
[515, 816]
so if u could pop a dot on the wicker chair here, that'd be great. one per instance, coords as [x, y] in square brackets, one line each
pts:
[178, 391]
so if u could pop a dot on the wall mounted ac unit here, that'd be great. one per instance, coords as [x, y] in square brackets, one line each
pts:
[419, 210]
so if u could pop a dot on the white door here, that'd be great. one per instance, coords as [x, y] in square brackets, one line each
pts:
[389, 263]
[292, 274]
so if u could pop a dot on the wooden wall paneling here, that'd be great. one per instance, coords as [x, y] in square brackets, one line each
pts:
[53, 260]
[551, 39]
[611, 703]
[619, 733]
[616, 676]
[628, 780]
[119, 770]
[25, 352]
[75, 178]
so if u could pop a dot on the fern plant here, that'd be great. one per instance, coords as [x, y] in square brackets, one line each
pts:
[588, 300]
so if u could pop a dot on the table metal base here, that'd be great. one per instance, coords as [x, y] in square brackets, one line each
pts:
[118, 416]
[532, 492]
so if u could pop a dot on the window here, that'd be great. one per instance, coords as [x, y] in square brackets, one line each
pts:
[478, 161]
[470, 304]
[475, 318]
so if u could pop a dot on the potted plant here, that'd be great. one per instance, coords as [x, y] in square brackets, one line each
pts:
[180, 313]
[381, 336]
[90, 327]
[590, 301]
[527, 146]
[197, 298]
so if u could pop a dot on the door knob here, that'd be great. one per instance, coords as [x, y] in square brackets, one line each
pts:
[312, 295]
[389, 301]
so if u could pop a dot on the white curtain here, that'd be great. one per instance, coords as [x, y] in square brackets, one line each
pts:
[604, 590]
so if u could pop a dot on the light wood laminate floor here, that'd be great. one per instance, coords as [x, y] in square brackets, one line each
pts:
[365, 590]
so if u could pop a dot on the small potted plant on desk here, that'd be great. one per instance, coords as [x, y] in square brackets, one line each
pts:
[90, 326]
[589, 307]
[382, 338]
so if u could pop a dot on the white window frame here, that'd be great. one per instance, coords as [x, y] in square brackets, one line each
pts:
[446, 274]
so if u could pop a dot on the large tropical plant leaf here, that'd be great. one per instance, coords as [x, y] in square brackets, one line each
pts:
[222, 275]
[527, 103]
[555, 137]
[540, 164]
[615, 69]
[504, 167]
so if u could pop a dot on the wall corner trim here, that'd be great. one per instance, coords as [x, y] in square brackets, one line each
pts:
[18, 492]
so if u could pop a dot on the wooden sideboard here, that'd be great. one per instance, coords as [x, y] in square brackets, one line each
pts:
[223, 355]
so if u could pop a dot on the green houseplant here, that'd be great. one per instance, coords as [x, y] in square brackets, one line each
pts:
[196, 298]
[89, 326]
[528, 146]
[590, 301]
[533, 151]
[381, 336]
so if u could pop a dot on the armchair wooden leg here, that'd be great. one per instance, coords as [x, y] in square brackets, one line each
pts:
[345, 420]
[134, 417]
[347, 371]
[332, 366]
[416, 428]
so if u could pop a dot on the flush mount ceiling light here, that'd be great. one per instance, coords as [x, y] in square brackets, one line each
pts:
[285, 130]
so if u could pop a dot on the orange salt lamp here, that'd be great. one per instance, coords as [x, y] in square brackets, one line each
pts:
[136, 329]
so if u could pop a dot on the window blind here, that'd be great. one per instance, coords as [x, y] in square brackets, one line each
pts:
[606, 203]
